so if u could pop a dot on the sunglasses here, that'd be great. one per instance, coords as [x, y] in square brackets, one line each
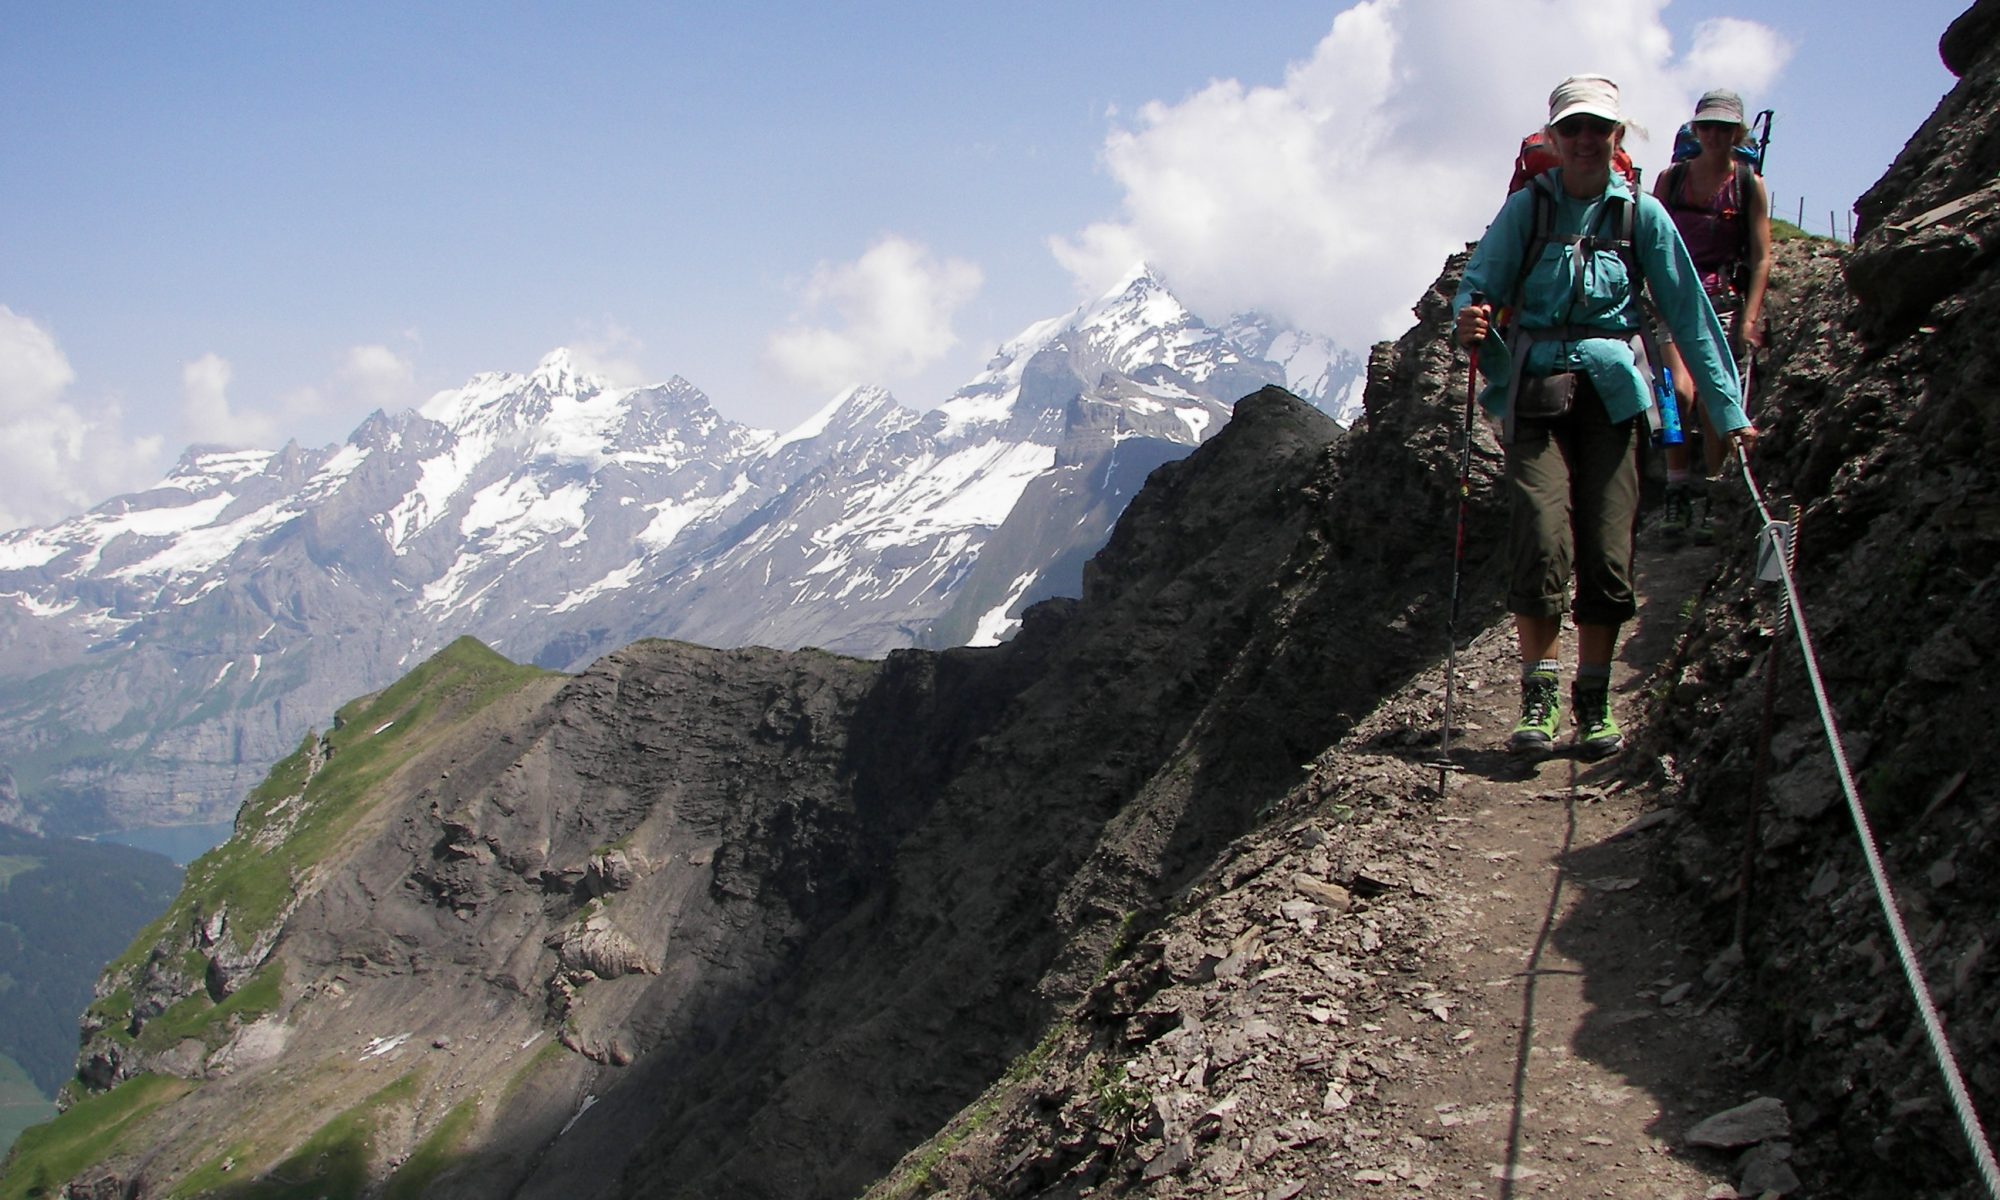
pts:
[1596, 126]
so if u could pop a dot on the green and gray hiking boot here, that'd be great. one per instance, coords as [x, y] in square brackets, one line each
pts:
[1541, 715]
[1597, 732]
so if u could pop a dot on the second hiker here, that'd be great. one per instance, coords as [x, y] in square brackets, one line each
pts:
[1567, 255]
[1718, 202]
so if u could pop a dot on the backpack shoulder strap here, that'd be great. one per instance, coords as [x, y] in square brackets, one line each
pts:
[1628, 244]
[1539, 232]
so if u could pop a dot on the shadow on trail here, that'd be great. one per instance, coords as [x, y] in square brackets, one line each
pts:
[1524, 1045]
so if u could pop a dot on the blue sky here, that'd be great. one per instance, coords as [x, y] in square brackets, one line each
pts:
[252, 222]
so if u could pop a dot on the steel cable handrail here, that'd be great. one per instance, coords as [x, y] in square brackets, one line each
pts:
[1954, 1081]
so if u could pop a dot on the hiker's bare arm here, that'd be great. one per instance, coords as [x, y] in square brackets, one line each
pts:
[1757, 211]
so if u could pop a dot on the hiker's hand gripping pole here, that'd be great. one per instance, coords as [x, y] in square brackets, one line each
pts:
[1475, 320]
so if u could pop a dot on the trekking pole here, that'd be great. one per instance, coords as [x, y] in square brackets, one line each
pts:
[1458, 555]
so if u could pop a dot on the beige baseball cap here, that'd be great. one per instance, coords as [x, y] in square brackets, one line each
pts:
[1591, 94]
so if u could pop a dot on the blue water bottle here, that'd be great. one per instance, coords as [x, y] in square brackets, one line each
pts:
[1669, 432]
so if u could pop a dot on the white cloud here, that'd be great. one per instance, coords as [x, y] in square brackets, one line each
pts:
[378, 376]
[33, 369]
[1332, 199]
[1734, 53]
[207, 416]
[893, 307]
[60, 455]
[56, 460]
[611, 352]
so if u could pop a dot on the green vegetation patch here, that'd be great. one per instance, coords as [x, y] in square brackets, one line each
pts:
[47, 1155]
[15, 864]
[1784, 231]
[199, 1017]
[331, 1165]
[442, 1149]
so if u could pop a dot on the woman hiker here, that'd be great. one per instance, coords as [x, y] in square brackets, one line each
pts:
[1724, 215]
[1573, 409]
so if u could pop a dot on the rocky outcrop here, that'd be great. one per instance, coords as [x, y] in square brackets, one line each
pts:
[1971, 37]
[1929, 228]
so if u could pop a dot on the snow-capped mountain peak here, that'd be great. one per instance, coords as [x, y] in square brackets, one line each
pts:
[556, 376]
[1138, 326]
[852, 407]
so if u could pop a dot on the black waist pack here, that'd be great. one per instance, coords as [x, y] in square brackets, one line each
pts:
[1546, 397]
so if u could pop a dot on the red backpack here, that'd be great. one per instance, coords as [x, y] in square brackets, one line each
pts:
[1537, 155]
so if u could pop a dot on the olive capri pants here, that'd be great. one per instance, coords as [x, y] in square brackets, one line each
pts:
[1573, 491]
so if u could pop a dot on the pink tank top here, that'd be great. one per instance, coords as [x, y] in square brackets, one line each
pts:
[1716, 232]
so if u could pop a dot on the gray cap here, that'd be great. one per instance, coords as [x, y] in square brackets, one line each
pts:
[1720, 105]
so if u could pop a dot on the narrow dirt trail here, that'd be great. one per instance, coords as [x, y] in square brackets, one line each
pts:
[1590, 1040]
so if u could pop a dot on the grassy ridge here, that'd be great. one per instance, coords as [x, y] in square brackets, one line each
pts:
[306, 812]
[300, 814]
[332, 1164]
[47, 1155]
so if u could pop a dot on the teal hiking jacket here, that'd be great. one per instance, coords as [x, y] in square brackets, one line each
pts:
[1591, 289]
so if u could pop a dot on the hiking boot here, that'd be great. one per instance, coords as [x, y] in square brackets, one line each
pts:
[1541, 715]
[1676, 512]
[1702, 529]
[1597, 732]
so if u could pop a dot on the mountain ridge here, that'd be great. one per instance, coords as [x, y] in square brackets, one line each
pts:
[174, 643]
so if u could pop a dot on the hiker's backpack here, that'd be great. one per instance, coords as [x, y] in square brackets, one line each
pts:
[1687, 145]
[1538, 155]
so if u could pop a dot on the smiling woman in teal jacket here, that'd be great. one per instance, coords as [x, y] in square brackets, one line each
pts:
[1572, 404]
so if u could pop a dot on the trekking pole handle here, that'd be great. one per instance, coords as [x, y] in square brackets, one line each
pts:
[1477, 300]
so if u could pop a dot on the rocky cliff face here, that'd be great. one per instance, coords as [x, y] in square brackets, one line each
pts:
[1883, 392]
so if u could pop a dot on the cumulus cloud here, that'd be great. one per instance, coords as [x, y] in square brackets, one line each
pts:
[1733, 53]
[1330, 199]
[891, 316]
[611, 352]
[60, 454]
[377, 376]
[56, 460]
[207, 416]
[365, 378]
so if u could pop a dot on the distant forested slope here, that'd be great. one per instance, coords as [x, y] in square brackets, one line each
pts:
[67, 907]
